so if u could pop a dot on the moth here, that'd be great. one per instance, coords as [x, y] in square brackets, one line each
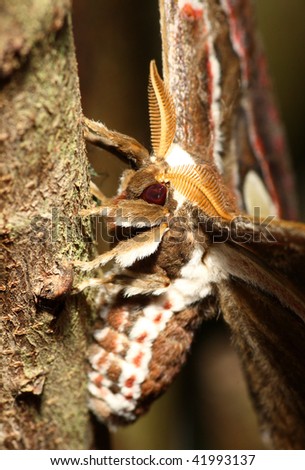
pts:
[198, 228]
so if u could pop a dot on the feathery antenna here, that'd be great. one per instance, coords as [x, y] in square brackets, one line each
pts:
[162, 114]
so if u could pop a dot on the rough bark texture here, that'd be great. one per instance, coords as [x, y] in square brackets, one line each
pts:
[44, 183]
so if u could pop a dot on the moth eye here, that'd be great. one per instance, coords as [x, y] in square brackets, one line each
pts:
[155, 194]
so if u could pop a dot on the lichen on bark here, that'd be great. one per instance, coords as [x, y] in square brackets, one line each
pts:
[44, 183]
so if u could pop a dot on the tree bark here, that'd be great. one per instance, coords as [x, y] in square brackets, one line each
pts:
[44, 183]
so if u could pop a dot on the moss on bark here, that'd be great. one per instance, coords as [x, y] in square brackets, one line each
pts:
[44, 183]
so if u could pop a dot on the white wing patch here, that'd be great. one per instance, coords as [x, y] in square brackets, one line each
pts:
[177, 156]
[256, 196]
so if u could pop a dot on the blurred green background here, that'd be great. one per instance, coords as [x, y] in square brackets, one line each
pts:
[208, 406]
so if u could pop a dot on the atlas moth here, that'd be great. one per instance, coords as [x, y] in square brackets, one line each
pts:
[186, 247]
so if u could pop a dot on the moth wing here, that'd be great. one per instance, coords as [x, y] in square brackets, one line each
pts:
[215, 69]
[263, 302]
[270, 339]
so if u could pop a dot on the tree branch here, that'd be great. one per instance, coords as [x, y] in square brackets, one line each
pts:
[44, 183]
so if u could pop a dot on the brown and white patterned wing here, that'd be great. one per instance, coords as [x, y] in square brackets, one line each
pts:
[216, 72]
[270, 339]
[263, 301]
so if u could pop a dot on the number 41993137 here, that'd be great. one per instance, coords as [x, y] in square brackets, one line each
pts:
[226, 459]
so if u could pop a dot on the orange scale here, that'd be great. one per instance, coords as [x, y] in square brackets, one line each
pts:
[158, 317]
[98, 381]
[130, 381]
[141, 338]
[101, 361]
[138, 359]
[167, 305]
[192, 13]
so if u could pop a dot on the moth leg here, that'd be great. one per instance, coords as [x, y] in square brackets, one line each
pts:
[155, 283]
[133, 284]
[127, 252]
[97, 210]
[95, 191]
[121, 145]
[92, 282]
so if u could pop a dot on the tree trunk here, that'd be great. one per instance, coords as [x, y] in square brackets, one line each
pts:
[44, 183]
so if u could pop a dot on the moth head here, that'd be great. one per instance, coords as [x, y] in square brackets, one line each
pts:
[144, 197]
[147, 186]
[162, 118]
[161, 185]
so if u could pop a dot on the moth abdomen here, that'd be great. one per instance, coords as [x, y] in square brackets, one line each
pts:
[136, 356]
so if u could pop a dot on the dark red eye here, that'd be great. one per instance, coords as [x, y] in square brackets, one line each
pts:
[155, 194]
